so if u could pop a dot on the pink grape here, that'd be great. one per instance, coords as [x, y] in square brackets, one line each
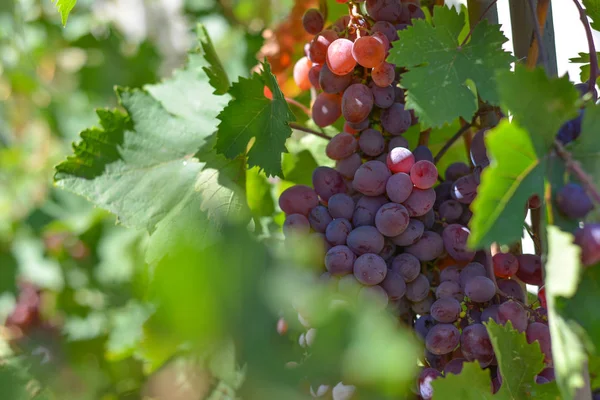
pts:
[429, 247]
[341, 146]
[455, 241]
[339, 57]
[384, 74]
[395, 119]
[407, 265]
[339, 261]
[313, 21]
[371, 142]
[348, 166]
[368, 51]
[317, 51]
[423, 174]
[296, 224]
[365, 239]
[301, 71]
[400, 159]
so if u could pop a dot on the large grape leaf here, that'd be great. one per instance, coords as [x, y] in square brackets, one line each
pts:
[64, 7]
[519, 152]
[473, 383]
[154, 167]
[439, 69]
[250, 115]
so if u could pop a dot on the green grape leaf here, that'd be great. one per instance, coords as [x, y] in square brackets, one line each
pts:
[473, 383]
[519, 363]
[298, 167]
[586, 148]
[438, 80]
[258, 193]
[250, 116]
[563, 272]
[64, 7]
[592, 9]
[584, 58]
[8, 273]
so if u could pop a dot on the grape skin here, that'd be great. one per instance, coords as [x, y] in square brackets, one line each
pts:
[368, 51]
[423, 325]
[464, 189]
[470, 271]
[296, 224]
[370, 269]
[383, 96]
[392, 219]
[457, 170]
[339, 57]
[423, 306]
[332, 83]
[445, 310]
[299, 199]
[366, 209]
[588, 238]
[397, 141]
[313, 21]
[357, 102]
[449, 289]
[422, 153]
[300, 73]
[337, 231]
[420, 202]
[319, 218]
[317, 51]
[326, 109]
[573, 201]
[475, 344]
[423, 174]
[450, 211]
[455, 366]
[539, 332]
[348, 166]
[505, 265]
[452, 274]
[480, 289]
[370, 179]
[399, 187]
[411, 235]
[395, 119]
[327, 182]
[394, 285]
[341, 206]
[530, 269]
[383, 75]
[490, 312]
[442, 339]
[428, 248]
[341, 146]
[407, 265]
[371, 142]
[511, 288]
[425, 378]
[400, 159]
[365, 239]
[455, 238]
[418, 289]
[513, 312]
[339, 261]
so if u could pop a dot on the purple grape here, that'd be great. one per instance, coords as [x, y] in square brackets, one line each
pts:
[548, 373]
[371, 142]
[389, 250]
[539, 332]
[332, 83]
[478, 150]
[428, 248]
[464, 189]
[327, 182]
[475, 344]
[348, 166]
[407, 265]
[397, 141]
[470, 271]
[422, 307]
[442, 339]
[446, 310]
[298, 199]
[422, 153]
[449, 289]
[450, 211]
[425, 378]
[392, 219]
[423, 325]
[455, 242]
[383, 96]
[515, 313]
[399, 187]
[370, 269]
[588, 238]
[418, 289]
[326, 109]
[339, 261]
[411, 235]
[395, 119]
[337, 231]
[341, 146]
[456, 170]
[480, 289]
[387, 29]
[385, 10]
[490, 312]
[319, 218]
[442, 193]
[357, 103]
[512, 288]
[451, 273]
[365, 239]
[420, 202]
[370, 179]
[570, 129]
[313, 21]
[359, 126]
[341, 206]
[573, 201]
[366, 209]
[296, 224]
[428, 219]
[530, 269]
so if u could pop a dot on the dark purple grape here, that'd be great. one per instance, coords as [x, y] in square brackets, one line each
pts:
[505, 265]
[348, 166]
[423, 325]
[298, 199]
[411, 235]
[422, 153]
[357, 102]
[451, 273]
[470, 271]
[389, 250]
[366, 209]
[341, 146]
[394, 285]
[479, 155]
[490, 312]
[425, 379]
[539, 332]
[339, 261]
[515, 313]
[392, 219]
[418, 289]
[530, 269]
[588, 238]
[387, 29]
[442, 193]
[296, 224]
[573, 201]
[450, 211]
[327, 182]
[337, 231]
[455, 242]
[442, 339]
[480, 289]
[428, 248]
[455, 366]
[370, 269]
[341, 206]
[436, 361]
[365, 239]
[319, 218]
[548, 373]
[511, 288]
[464, 189]
[428, 219]
[332, 83]
[449, 289]
[383, 96]
[422, 307]
[407, 265]
[475, 344]
[397, 141]
[359, 126]
[395, 119]
[420, 202]
[326, 109]
[446, 310]
[313, 21]
[570, 129]
[371, 142]
[456, 170]
[370, 179]
[466, 216]
[385, 10]
[399, 187]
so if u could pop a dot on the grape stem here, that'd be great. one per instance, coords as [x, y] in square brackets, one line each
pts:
[489, 7]
[301, 106]
[450, 142]
[577, 170]
[538, 36]
[299, 127]
[592, 47]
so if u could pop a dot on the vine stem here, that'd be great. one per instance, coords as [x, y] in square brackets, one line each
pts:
[299, 127]
[577, 170]
[450, 142]
[301, 106]
[592, 47]
[488, 8]
[542, 15]
[538, 36]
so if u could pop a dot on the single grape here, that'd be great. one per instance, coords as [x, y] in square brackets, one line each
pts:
[357, 102]
[457, 170]
[370, 179]
[539, 332]
[570, 129]
[407, 265]
[339, 261]
[451, 273]
[395, 119]
[530, 269]
[394, 285]
[319, 218]
[368, 51]
[505, 265]
[371, 142]
[425, 379]
[387, 29]
[442, 339]
[342, 22]
[480, 289]
[455, 366]
[332, 83]
[317, 51]
[573, 201]
[450, 211]
[420, 202]
[511, 288]
[411, 234]
[548, 373]
[337, 231]
[415, 11]
[313, 21]
[417, 289]
[341, 206]
[383, 96]
[383, 40]
[327, 182]
[455, 242]
[475, 344]
[423, 174]
[479, 155]
[339, 57]
[313, 76]
[449, 289]
[422, 153]
[299, 199]
[446, 310]
[341, 146]
[348, 166]
[366, 209]
[423, 325]
[370, 269]
[588, 238]
[437, 362]
[470, 271]
[464, 189]
[397, 141]
[513, 312]
[490, 312]
[326, 109]
[385, 10]
[428, 248]
[399, 187]
[422, 307]
[392, 219]
[400, 159]
[365, 239]
[301, 70]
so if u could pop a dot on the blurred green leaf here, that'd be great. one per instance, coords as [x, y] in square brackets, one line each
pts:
[258, 193]
[64, 8]
[473, 383]
[298, 167]
[586, 148]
